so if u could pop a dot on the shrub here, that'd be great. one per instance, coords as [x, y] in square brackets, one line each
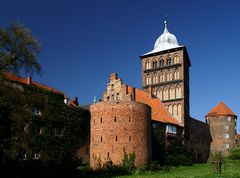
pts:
[128, 160]
[235, 153]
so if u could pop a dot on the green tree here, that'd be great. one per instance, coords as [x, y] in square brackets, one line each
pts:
[18, 49]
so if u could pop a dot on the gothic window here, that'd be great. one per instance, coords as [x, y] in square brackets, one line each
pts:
[178, 91]
[148, 65]
[148, 80]
[154, 64]
[176, 75]
[175, 110]
[161, 77]
[176, 59]
[172, 92]
[155, 79]
[165, 94]
[161, 62]
[169, 61]
[168, 76]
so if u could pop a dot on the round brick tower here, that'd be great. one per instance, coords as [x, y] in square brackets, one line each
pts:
[119, 126]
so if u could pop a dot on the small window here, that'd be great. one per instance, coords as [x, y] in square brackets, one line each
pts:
[116, 138]
[171, 129]
[36, 156]
[108, 154]
[115, 119]
[101, 120]
[226, 146]
[226, 135]
[36, 111]
[101, 139]
[112, 87]
[129, 139]
[129, 119]
[154, 125]
[226, 127]
[229, 118]
[56, 131]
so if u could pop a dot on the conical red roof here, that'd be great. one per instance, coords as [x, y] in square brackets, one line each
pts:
[221, 109]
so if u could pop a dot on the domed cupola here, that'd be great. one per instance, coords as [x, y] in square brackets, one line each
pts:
[165, 41]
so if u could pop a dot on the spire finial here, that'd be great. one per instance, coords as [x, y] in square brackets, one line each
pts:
[165, 23]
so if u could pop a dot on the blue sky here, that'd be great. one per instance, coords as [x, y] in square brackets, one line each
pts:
[83, 41]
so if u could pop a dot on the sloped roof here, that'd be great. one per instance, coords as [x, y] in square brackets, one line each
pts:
[25, 81]
[221, 109]
[159, 113]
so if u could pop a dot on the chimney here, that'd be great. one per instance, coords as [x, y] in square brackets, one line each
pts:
[75, 100]
[29, 80]
[113, 77]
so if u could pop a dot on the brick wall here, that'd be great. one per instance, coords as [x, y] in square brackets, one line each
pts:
[120, 125]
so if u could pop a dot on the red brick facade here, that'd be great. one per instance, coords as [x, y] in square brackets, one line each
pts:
[116, 126]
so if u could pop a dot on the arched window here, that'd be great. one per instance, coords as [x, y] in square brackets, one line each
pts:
[176, 59]
[170, 109]
[178, 91]
[169, 61]
[161, 62]
[175, 110]
[160, 94]
[172, 92]
[148, 65]
[168, 76]
[165, 94]
[176, 75]
[155, 79]
[154, 64]
[148, 80]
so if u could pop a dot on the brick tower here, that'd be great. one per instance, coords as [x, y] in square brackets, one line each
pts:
[165, 73]
[222, 123]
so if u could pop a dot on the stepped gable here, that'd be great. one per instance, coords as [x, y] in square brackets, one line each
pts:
[159, 113]
[221, 109]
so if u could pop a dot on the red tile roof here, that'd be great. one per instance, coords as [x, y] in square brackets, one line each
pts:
[25, 81]
[221, 109]
[159, 113]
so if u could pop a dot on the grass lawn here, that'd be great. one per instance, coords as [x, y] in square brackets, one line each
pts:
[230, 170]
